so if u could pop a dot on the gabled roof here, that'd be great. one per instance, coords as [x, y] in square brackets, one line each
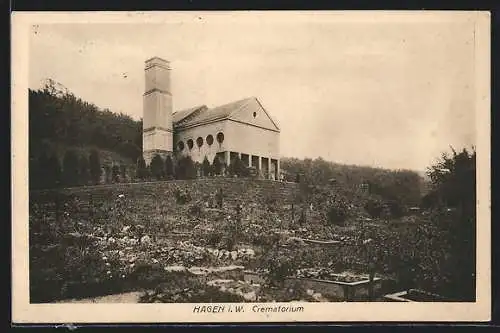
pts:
[181, 115]
[200, 115]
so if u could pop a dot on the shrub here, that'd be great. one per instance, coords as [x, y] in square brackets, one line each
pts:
[169, 167]
[186, 168]
[182, 197]
[84, 170]
[141, 169]
[195, 210]
[238, 168]
[271, 203]
[278, 267]
[70, 168]
[116, 173]
[157, 167]
[337, 213]
[395, 208]
[206, 167]
[214, 238]
[217, 165]
[374, 208]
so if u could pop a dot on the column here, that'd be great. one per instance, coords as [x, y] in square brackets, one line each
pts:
[239, 156]
[278, 169]
[249, 160]
[259, 163]
[226, 161]
[269, 173]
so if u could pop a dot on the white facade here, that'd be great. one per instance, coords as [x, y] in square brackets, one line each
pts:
[198, 153]
[248, 139]
[157, 102]
[242, 128]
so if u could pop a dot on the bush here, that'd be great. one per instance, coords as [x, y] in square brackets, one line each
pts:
[271, 204]
[182, 197]
[217, 165]
[238, 168]
[141, 172]
[206, 167]
[337, 213]
[169, 167]
[186, 168]
[395, 208]
[279, 266]
[157, 167]
[214, 238]
[195, 210]
[70, 168]
[374, 208]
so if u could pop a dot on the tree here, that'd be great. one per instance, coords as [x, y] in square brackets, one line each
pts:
[237, 167]
[186, 168]
[207, 168]
[84, 175]
[39, 172]
[108, 175]
[34, 174]
[70, 168]
[95, 166]
[169, 167]
[157, 167]
[123, 172]
[58, 116]
[198, 169]
[374, 207]
[217, 165]
[338, 211]
[54, 172]
[115, 173]
[453, 180]
[141, 168]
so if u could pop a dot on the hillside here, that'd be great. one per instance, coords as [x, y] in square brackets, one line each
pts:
[405, 186]
[58, 121]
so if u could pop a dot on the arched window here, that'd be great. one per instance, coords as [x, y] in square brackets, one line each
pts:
[210, 139]
[220, 137]
[180, 145]
[199, 141]
[190, 144]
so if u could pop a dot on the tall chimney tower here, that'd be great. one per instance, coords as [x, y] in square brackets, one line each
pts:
[157, 133]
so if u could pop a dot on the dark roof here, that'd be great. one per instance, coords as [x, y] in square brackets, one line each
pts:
[202, 114]
[180, 115]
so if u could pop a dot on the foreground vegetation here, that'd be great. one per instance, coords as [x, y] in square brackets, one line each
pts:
[120, 243]
[115, 243]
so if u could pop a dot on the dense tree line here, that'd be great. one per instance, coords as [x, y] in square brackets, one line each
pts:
[61, 117]
[48, 171]
[453, 202]
[185, 168]
[400, 186]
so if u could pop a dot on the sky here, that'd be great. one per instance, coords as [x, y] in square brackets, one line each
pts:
[392, 92]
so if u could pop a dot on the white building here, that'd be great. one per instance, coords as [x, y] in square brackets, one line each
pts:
[242, 128]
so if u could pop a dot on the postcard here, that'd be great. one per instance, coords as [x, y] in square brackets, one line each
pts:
[250, 166]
